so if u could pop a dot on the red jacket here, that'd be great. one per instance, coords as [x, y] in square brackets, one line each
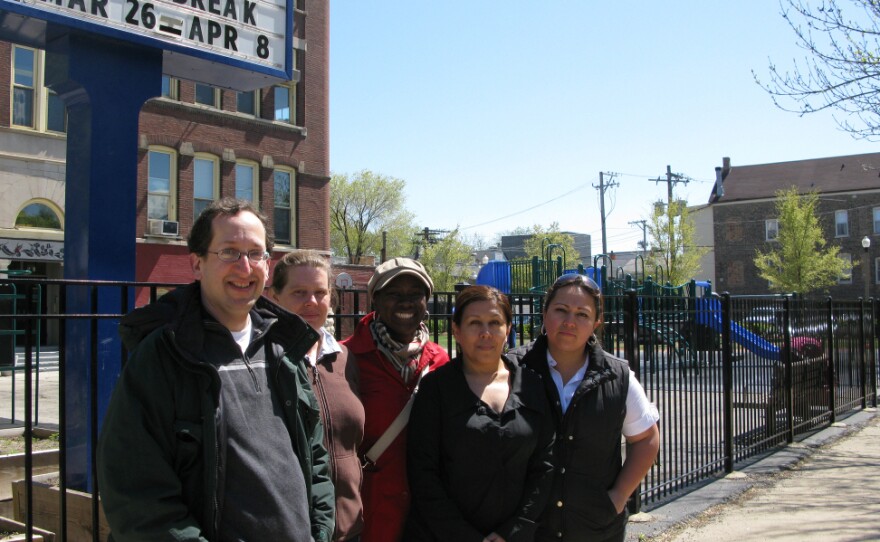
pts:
[385, 491]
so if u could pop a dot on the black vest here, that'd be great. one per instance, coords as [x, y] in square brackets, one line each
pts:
[588, 447]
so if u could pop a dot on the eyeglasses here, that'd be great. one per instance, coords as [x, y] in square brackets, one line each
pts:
[231, 255]
[572, 278]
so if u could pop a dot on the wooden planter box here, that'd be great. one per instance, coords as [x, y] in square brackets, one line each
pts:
[47, 502]
[12, 526]
[12, 468]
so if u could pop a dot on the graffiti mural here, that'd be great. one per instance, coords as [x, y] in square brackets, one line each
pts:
[25, 249]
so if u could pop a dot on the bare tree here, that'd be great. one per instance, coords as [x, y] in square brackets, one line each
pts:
[841, 70]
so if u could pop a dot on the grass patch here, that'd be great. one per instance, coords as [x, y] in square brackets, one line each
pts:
[15, 444]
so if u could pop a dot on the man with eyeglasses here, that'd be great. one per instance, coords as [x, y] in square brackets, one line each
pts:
[213, 432]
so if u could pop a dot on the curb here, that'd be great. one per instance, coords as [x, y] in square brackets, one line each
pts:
[655, 522]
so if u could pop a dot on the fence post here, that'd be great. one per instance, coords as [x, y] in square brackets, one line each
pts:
[863, 357]
[727, 382]
[874, 352]
[630, 349]
[786, 362]
[831, 369]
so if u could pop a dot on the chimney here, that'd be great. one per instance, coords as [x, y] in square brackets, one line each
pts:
[719, 180]
[725, 167]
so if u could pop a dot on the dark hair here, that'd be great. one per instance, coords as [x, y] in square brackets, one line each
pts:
[299, 258]
[585, 283]
[473, 294]
[201, 234]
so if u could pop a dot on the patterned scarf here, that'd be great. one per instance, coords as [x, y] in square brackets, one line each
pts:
[404, 357]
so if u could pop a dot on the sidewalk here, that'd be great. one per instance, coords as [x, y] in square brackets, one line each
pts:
[826, 487]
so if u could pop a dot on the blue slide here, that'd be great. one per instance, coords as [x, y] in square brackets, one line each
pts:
[709, 314]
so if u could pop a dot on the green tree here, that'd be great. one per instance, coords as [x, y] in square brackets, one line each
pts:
[364, 205]
[842, 66]
[801, 263]
[543, 237]
[672, 232]
[448, 261]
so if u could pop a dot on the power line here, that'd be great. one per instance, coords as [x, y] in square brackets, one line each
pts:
[573, 190]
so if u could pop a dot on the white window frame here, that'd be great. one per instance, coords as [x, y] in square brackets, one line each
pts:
[291, 206]
[215, 181]
[847, 277]
[216, 91]
[255, 94]
[290, 106]
[841, 223]
[41, 95]
[172, 181]
[771, 229]
[49, 204]
[173, 87]
[255, 181]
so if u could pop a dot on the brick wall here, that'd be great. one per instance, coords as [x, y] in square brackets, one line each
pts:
[739, 232]
[302, 148]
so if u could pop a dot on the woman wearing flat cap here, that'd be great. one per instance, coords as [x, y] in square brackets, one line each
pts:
[392, 350]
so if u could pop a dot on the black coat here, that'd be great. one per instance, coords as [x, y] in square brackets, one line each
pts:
[588, 447]
[473, 471]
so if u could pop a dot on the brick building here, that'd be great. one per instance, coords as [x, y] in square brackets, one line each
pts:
[744, 218]
[196, 143]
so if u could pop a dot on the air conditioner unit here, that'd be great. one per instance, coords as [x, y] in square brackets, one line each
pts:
[164, 227]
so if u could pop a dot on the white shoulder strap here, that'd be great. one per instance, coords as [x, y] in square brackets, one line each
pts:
[379, 447]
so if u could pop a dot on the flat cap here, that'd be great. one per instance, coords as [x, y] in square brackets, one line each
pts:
[395, 267]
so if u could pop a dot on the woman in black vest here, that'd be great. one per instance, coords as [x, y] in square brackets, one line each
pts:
[595, 399]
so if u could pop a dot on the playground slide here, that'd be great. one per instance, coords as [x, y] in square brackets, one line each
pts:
[709, 314]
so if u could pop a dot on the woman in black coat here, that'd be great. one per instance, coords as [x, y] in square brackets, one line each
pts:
[480, 436]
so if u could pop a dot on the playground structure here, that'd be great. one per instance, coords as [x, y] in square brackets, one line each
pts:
[685, 320]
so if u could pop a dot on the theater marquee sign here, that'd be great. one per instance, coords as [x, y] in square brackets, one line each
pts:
[251, 34]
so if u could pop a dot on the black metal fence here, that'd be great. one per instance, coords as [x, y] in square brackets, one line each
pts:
[733, 377]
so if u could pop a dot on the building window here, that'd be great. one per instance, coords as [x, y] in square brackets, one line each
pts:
[841, 223]
[285, 103]
[846, 277]
[34, 105]
[246, 181]
[771, 229]
[246, 102]
[161, 184]
[170, 87]
[877, 220]
[876, 270]
[207, 95]
[285, 188]
[38, 215]
[206, 182]
[24, 80]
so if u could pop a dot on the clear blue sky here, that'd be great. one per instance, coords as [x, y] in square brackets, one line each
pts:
[502, 114]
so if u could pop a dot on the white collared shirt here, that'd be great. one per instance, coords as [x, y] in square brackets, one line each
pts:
[328, 346]
[641, 414]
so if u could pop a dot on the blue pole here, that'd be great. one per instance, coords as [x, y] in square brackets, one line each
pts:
[103, 83]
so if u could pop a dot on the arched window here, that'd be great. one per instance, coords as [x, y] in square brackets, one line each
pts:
[38, 215]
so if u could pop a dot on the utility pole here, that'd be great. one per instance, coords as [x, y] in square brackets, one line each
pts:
[643, 225]
[671, 180]
[602, 187]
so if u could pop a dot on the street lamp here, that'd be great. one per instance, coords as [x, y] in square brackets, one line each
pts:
[866, 244]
